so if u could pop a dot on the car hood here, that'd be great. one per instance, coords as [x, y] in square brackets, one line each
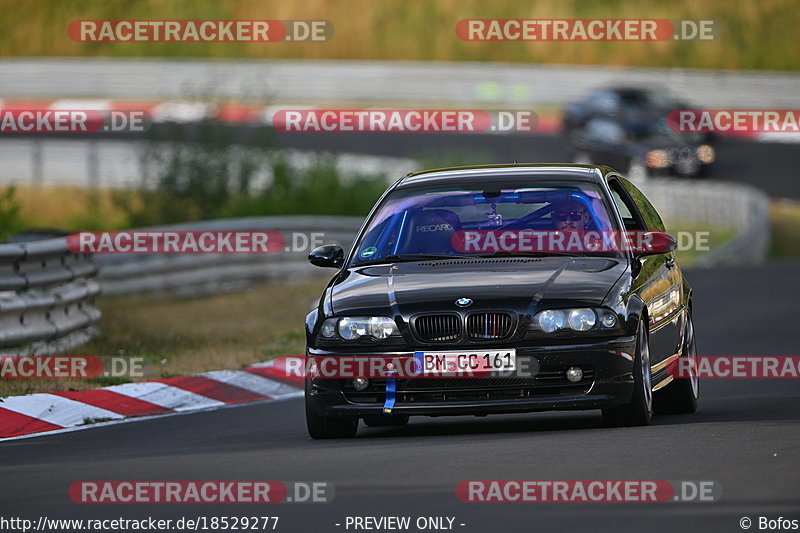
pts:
[522, 285]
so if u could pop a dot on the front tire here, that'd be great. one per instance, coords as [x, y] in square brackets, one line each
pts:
[639, 411]
[680, 396]
[327, 427]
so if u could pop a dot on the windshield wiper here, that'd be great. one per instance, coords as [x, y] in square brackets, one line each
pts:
[398, 258]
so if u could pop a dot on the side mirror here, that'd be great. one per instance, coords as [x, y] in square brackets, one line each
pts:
[654, 243]
[330, 255]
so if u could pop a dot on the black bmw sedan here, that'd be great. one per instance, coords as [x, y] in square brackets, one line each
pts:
[470, 274]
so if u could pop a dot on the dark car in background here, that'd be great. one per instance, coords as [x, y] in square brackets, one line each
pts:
[635, 108]
[657, 151]
[602, 330]
[627, 128]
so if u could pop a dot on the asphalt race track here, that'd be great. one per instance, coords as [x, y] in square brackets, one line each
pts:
[746, 436]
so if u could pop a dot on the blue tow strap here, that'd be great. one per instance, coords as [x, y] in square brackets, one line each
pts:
[391, 390]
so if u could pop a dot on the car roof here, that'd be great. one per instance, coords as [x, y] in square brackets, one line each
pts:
[523, 171]
[635, 89]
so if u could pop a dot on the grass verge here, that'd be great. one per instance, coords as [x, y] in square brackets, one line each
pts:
[87, 209]
[691, 237]
[785, 227]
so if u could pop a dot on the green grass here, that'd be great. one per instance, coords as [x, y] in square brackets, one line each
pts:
[44, 207]
[785, 227]
[756, 34]
[108, 381]
[716, 237]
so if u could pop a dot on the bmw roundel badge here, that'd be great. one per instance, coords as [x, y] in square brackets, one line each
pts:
[464, 302]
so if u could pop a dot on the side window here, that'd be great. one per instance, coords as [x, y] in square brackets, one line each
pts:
[649, 213]
[627, 210]
[604, 101]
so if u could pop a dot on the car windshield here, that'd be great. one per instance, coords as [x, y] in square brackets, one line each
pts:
[454, 221]
[660, 131]
[636, 99]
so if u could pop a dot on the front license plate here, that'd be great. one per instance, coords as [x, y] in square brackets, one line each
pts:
[477, 361]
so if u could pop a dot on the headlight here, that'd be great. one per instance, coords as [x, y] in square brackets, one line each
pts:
[381, 327]
[705, 153]
[581, 319]
[657, 159]
[550, 321]
[352, 328]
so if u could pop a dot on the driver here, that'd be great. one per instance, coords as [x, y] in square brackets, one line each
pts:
[570, 215]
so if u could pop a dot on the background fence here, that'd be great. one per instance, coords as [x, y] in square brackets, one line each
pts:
[109, 163]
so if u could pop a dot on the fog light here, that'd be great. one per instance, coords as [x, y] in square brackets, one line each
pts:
[360, 384]
[574, 374]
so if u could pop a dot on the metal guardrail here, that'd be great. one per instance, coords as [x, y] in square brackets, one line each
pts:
[46, 298]
[718, 205]
[113, 163]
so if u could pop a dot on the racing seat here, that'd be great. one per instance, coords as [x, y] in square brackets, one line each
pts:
[431, 232]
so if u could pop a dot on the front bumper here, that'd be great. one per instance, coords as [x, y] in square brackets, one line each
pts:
[607, 382]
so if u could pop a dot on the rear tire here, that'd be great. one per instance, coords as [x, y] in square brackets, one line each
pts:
[680, 396]
[639, 411]
[375, 421]
[328, 427]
